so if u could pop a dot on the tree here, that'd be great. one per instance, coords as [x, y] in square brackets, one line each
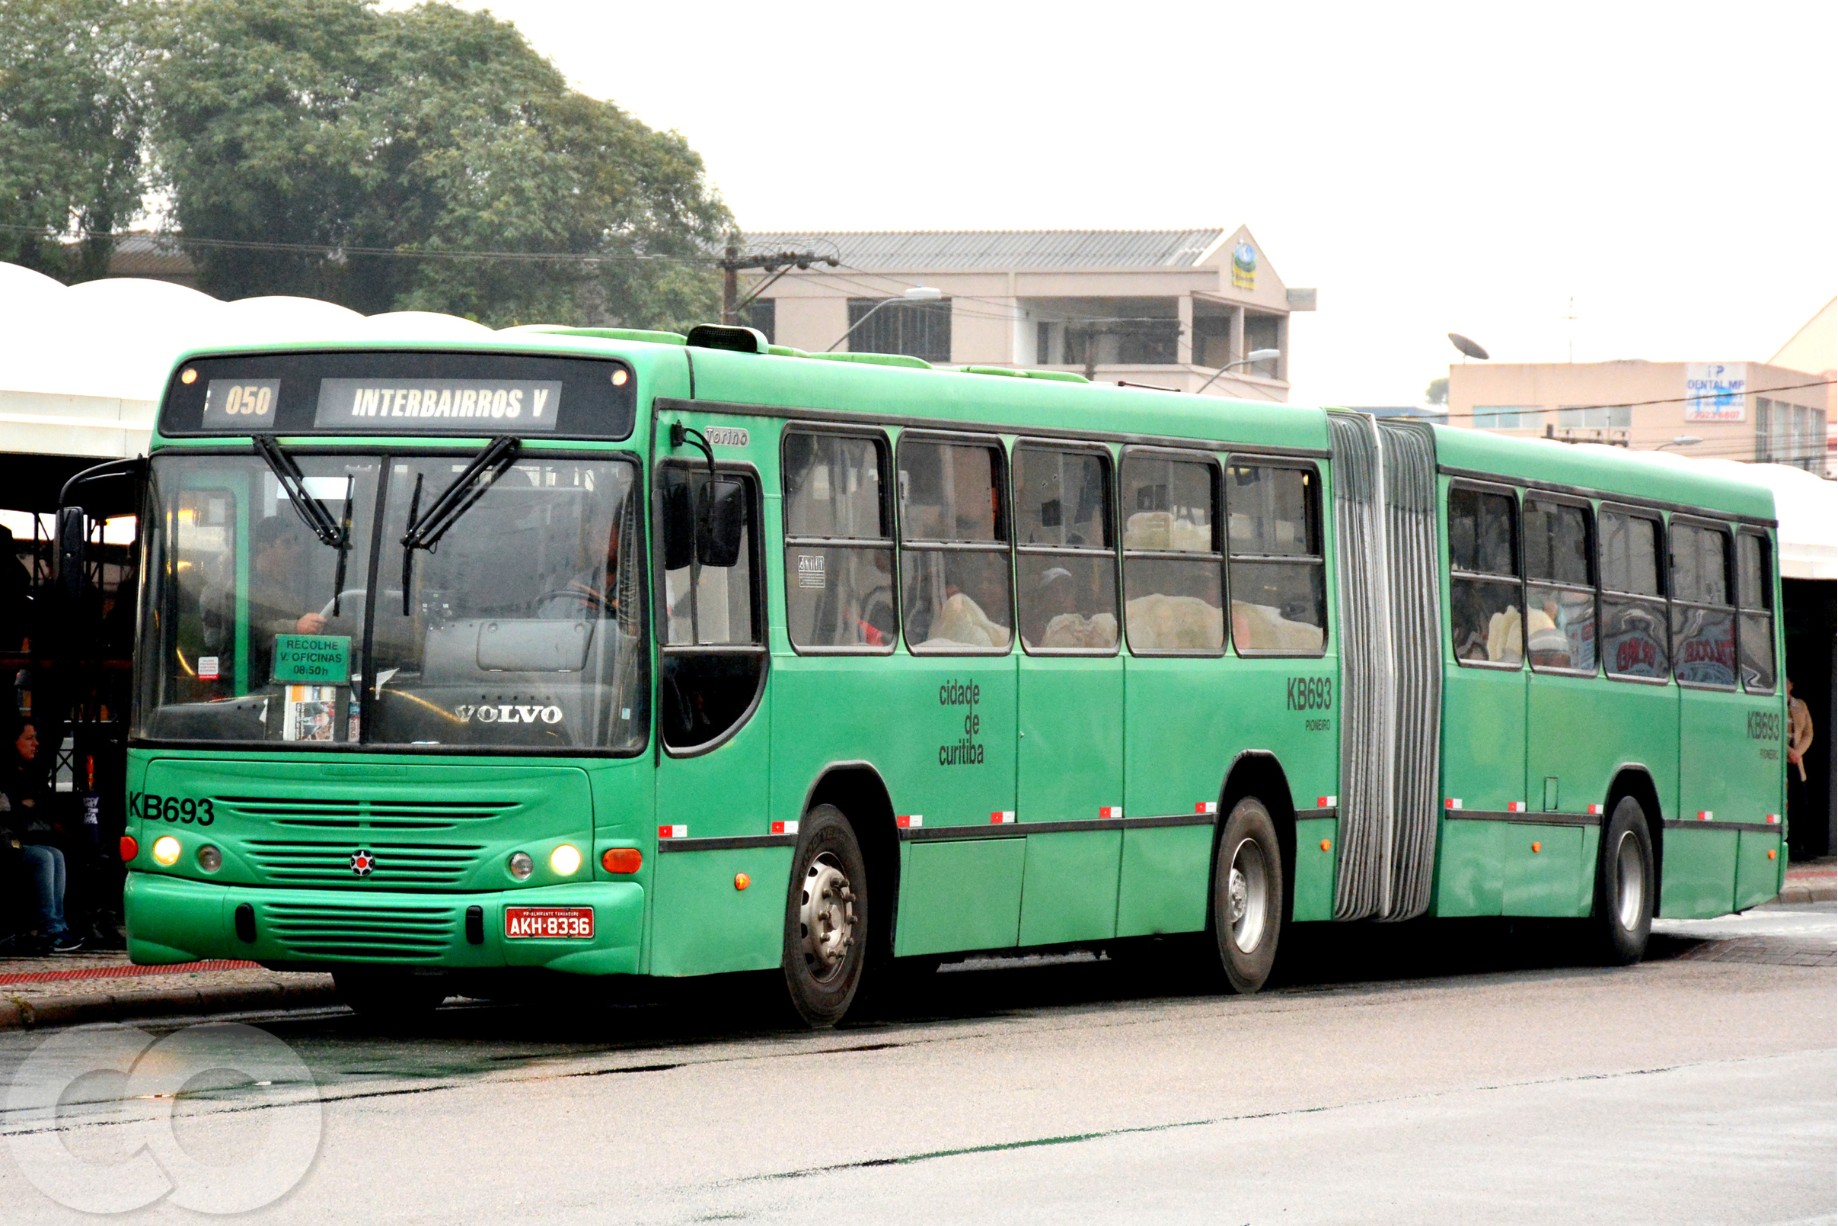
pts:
[427, 159]
[73, 88]
[1437, 392]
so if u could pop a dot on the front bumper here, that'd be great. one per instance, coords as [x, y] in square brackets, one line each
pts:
[174, 919]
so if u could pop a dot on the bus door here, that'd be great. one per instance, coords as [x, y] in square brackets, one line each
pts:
[950, 763]
[1069, 719]
[714, 768]
[1716, 779]
[1761, 846]
[1484, 699]
[1573, 735]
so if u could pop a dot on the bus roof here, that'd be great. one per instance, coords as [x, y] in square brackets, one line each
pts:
[1612, 471]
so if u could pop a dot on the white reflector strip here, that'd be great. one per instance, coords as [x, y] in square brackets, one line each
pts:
[1110, 811]
[1595, 810]
[1453, 802]
[673, 832]
[1705, 816]
[1002, 818]
[909, 821]
[784, 827]
[1207, 806]
[1326, 802]
[1774, 819]
[1515, 806]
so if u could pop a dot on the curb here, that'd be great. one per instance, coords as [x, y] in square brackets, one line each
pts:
[19, 1013]
[1797, 891]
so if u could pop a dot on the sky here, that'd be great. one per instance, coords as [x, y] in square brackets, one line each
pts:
[1664, 173]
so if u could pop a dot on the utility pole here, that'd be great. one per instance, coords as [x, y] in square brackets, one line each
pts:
[777, 263]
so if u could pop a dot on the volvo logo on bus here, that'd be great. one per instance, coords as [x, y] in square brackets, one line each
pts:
[509, 713]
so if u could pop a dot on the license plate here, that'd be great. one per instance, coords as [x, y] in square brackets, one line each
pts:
[549, 923]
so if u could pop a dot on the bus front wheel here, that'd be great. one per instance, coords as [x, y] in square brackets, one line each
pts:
[826, 912]
[1623, 913]
[1247, 902]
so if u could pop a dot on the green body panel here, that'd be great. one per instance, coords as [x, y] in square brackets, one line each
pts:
[1758, 874]
[1483, 767]
[1469, 860]
[1315, 868]
[1069, 887]
[960, 895]
[1699, 878]
[705, 924]
[1545, 873]
[1166, 879]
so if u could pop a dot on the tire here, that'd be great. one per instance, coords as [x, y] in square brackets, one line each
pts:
[1247, 896]
[389, 996]
[826, 919]
[1622, 917]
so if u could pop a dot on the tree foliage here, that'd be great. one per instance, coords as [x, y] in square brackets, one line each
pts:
[1437, 392]
[432, 160]
[73, 96]
[424, 159]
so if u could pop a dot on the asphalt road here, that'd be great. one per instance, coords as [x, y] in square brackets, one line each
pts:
[1402, 1075]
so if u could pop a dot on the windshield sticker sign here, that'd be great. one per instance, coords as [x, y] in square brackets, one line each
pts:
[312, 659]
[436, 404]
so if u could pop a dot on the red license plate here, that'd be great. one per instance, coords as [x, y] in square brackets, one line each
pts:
[549, 923]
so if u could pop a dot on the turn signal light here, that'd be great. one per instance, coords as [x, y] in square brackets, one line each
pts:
[622, 859]
[742, 881]
[166, 851]
[130, 847]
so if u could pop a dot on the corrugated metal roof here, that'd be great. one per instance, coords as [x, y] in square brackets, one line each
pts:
[977, 250]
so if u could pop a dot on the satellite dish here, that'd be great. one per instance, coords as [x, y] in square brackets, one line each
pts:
[1467, 347]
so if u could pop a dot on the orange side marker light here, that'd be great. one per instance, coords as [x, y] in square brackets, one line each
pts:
[1770, 853]
[742, 881]
[1326, 844]
[1537, 847]
[622, 859]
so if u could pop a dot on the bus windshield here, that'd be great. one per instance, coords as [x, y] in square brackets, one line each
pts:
[519, 626]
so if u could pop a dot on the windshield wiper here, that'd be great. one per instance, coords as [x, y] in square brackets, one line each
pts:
[425, 530]
[313, 513]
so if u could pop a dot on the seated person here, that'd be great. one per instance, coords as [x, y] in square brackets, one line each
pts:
[1547, 644]
[27, 839]
[594, 589]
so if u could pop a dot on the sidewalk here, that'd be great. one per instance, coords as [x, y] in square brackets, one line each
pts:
[102, 987]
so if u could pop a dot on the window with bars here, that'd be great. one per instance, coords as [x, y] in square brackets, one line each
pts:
[916, 329]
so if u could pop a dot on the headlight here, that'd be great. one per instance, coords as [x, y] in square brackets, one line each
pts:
[566, 860]
[166, 851]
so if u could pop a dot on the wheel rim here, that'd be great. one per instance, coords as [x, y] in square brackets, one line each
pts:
[1247, 895]
[1630, 881]
[826, 917]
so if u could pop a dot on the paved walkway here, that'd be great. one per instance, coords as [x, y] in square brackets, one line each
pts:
[71, 989]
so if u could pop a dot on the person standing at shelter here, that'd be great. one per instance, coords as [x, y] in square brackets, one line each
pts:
[15, 595]
[28, 833]
[1799, 740]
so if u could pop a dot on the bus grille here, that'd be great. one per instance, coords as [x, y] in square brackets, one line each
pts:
[396, 866]
[400, 934]
[308, 813]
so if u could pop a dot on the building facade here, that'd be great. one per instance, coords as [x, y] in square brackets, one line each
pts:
[1164, 308]
[1728, 410]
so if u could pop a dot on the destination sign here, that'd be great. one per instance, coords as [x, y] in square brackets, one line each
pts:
[466, 394]
[437, 404]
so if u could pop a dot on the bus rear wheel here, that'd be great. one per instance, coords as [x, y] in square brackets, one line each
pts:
[1622, 918]
[1247, 901]
[826, 913]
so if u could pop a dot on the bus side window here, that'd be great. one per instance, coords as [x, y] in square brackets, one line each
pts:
[1755, 596]
[1703, 607]
[1065, 564]
[1273, 536]
[1484, 594]
[714, 654]
[838, 542]
[1173, 580]
[1560, 624]
[1635, 638]
[954, 570]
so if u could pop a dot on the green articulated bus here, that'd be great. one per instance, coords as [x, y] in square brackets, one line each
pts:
[622, 653]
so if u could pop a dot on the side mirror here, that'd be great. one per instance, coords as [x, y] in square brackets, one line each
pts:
[724, 522]
[679, 522]
[72, 546]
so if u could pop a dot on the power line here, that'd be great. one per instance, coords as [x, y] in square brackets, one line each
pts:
[1635, 404]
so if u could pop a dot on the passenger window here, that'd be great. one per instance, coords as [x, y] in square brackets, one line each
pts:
[1273, 530]
[714, 656]
[1635, 639]
[1560, 618]
[1484, 578]
[954, 568]
[1173, 577]
[1755, 592]
[838, 542]
[1703, 616]
[1065, 566]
